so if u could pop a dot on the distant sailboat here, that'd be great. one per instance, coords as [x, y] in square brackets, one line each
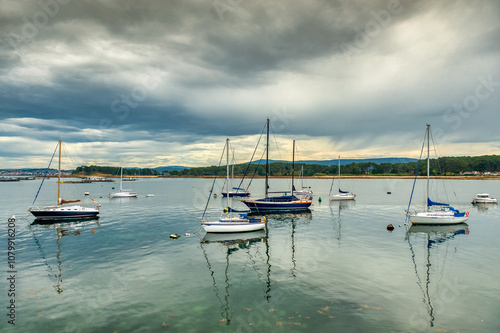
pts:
[445, 214]
[61, 210]
[122, 193]
[227, 224]
[306, 190]
[284, 203]
[235, 191]
[342, 195]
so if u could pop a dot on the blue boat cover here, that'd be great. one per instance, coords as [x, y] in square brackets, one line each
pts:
[432, 203]
[340, 191]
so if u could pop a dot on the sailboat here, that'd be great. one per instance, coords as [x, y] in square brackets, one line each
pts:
[435, 212]
[279, 203]
[236, 191]
[342, 195]
[123, 193]
[241, 223]
[61, 210]
[306, 190]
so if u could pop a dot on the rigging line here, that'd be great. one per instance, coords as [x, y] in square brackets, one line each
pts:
[275, 141]
[213, 184]
[45, 174]
[256, 169]
[251, 159]
[413, 188]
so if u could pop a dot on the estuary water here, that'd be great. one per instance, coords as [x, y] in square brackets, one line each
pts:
[336, 268]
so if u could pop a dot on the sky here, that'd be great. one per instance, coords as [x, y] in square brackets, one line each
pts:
[157, 83]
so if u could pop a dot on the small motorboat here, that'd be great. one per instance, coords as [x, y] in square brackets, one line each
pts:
[483, 198]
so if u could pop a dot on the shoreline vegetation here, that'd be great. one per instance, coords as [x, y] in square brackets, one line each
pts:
[458, 167]
[458, 177]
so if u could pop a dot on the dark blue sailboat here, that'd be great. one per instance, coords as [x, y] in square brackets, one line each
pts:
[284, 203]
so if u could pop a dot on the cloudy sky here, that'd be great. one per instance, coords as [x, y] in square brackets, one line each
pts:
[155, 83]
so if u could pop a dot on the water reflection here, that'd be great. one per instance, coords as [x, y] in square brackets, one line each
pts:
[433, 238]
[335, 209]
[231, 243]
[62, 229]
[484, 207]
[290, 220]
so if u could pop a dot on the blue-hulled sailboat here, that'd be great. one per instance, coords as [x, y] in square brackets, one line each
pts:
[284, 203]
[61, 211]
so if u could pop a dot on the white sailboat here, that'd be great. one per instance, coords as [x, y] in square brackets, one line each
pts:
[241, 223]
[435, 212]
[341, 195]
[61, 210]
[306, 190]
[122, 193]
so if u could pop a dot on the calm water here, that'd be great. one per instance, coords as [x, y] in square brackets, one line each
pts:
[334, 269]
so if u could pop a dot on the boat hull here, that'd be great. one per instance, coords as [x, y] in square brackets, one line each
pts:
[436, 219]
[342, 197]
[484, 200]
[267, 206]
[233, 225]
[236, 194]
[123, 195]
[61, 213]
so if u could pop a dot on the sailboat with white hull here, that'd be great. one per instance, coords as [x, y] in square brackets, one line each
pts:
[435, 212]
[284, 203]
[123, 193]
[342, 195]
[62, 211]
[241, 223]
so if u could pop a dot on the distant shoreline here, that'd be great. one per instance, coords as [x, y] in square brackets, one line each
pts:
[306, 177]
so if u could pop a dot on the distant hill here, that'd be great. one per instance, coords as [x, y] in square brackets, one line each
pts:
[171, 168]
[33, 170]
[392, 160]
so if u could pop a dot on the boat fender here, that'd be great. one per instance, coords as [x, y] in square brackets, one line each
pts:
[390, 227]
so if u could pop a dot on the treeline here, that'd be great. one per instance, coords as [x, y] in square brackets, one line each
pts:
[443, 166]
[108, 170]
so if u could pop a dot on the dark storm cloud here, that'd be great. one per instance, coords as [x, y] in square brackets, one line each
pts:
[192, 71]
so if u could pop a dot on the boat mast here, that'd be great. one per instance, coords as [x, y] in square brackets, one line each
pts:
[293, 164]
[339, 173]
[227, 172]
[428, 164]
[121, 178]
[59, 177]
[267, 160]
